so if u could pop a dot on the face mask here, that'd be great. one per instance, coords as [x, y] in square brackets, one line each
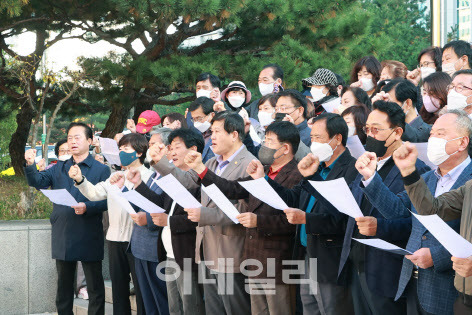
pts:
[203, 93]
[431, 104]
[64, 157]
[351, 131]
[127, 158]
[322, 150]
[426, 71]
[265, 118]
[202, 126]
[450, 68]
[456, 100]
[377, 146]
[266, 88]
[236, 101]
[267, 155]
[367, 84]
[317, 93]
[437, 150]
[403, 108]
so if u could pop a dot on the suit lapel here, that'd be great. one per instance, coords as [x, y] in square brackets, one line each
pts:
[235, 163]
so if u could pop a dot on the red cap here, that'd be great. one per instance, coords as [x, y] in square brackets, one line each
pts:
[147, 120]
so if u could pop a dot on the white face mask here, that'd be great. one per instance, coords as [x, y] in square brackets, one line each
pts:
[317, 93]
[266, 88]
[322, 150]
[450, 67]
[64, 157]
[456, 100]
[203, 93]
[367, 84]
[202, 126]
[351, 131]
[236, 101]
[265, 118]
[437, 150]
[426, 71]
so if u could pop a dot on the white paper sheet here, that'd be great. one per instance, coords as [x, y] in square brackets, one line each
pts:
[139, 200]
[262, 190]
[332, 105]
[383, 245]
[215, 194]
[355, 146]
[120, 199]
[171, 186]
[337, 192]
[450, 239]
[110, 150]
[60, 197]
[423, 154]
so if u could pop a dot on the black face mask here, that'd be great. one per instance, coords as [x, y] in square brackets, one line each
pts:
[377, 146]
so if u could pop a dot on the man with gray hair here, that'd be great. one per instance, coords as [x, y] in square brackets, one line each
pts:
[427, 275]
[158, 135]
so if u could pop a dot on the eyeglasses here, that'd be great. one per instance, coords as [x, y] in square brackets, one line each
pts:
[198, 119]
[458, 88]
[283, 108]
[426, 64]
[373, 130]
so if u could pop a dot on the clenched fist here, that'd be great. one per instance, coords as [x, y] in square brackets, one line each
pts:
[405, 158]
[308, 165]
[255, 169]
[134, 176]
[75, 173]
[159, 219]
[247, 219]
[157, 151]
[295, 216]
[366, 164]
[367, 226]
[118, 179]
[30, 155]
[194, 160]
[130, 124]
[193, 214]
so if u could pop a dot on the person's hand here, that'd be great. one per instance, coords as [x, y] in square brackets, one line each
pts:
[289, 119]
[463, 266]
[405, 158]
[157, 151]
[193, 214]
[100, 158]
[367, 225]
[80, 209]
[30, 155]
[95, 142]
[159, 219]
[308, 165]
[41, 165]
[134, 176]
[247, 219]
[219, 106]
[131, 125]
[118, 179]
[357, 84]
[366, 164]
[194, 160]
[295, 216]
[414, 76]
[422, 258]
[139, 218]
[381, 96]
[186, 112]
[75, 173]
[255, 169]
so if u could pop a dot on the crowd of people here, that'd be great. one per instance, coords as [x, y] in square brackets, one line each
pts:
[300, 260]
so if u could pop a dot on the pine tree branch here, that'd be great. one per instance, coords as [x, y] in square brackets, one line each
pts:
[160, 101]
[36, 19]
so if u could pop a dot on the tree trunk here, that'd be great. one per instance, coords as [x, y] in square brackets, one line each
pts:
[119, 113]
[19, 138]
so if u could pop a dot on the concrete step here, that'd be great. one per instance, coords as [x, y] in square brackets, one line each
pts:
[109, 296]
[81, 308]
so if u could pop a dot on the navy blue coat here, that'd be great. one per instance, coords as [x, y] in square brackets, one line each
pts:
[74, 237]
[382, 268]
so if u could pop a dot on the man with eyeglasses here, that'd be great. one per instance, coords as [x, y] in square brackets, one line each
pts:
[201, 113]
[291, 106]
[460, 92]
[374, 273]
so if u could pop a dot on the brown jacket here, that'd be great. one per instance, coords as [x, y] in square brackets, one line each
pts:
[273, 237]
[449, 206]
[217, 236]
